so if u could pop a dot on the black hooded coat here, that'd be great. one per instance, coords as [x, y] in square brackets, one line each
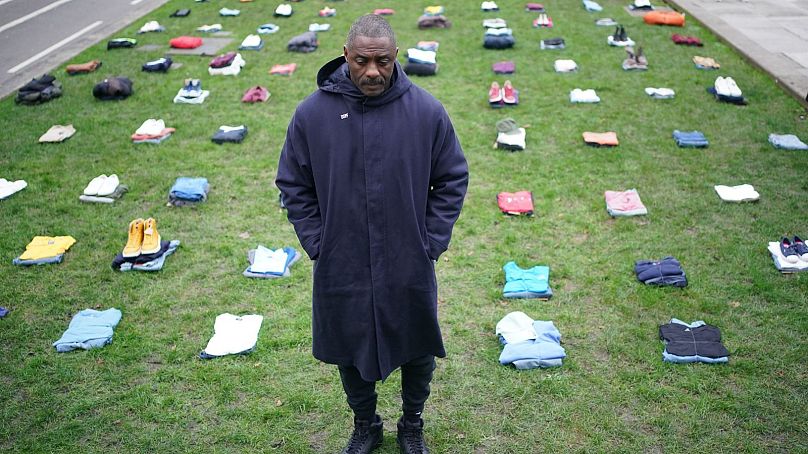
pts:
[373, 187]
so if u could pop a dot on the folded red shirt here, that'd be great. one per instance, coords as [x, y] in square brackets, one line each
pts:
[516, 203]
[185, 42]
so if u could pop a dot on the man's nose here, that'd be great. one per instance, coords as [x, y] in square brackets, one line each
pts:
[372, 71]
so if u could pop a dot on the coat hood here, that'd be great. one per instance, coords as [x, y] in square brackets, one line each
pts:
[333, 77]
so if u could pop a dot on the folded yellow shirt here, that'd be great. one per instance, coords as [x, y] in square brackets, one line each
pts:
[47, 246]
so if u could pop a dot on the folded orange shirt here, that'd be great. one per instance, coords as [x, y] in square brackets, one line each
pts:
[664, 18]
[283, 70]
[164, 132]
[601, 138]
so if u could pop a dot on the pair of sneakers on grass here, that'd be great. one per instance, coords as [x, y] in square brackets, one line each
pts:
[794, 250]
[369, 435]
[102, 185]
[143, 238]
[726, 86]
[505, 94]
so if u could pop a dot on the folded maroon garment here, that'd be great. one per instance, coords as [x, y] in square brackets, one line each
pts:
[536, 7]
[223, 61]
[185, 42]
[686, 40]
[256, 94]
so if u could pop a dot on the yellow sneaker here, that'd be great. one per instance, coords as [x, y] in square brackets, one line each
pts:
[135, 241]
[151, 238]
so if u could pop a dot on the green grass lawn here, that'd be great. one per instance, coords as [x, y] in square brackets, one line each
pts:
[148, 391]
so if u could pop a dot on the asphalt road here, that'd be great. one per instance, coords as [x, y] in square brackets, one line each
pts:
[38, 35]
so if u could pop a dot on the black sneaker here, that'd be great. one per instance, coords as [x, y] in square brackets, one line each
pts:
[367, 436]
[788, 251]
[411, 437]
[800, 248]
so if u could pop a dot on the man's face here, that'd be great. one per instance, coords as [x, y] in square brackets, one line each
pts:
[370, 63]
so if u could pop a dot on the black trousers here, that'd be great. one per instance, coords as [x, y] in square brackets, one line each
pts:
[415, 378]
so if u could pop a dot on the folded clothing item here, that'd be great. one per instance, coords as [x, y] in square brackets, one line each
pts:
[213, 28]
[518, 203]
[686, 40]
[185, 42]
[664, 18]
[427, 21]
[194, 189]
[184, 12]
[159, 65]
[121, 43]
[565, 66]
[667, 271]
[489, 6]
[552, 43]
[584, 96]
[154, 262]
[427, 45]
[498, 41]
[283, 10]
[304, 42]
[787, 142]
[542, 350]
[327, 12]
[412, 68]
[384, 11]
[606, 22]
[690, 139]
[501, 31]
[602, 139]
[9, 188]
[421, 56]
[534, 7]
[533, 282]
[39, 90]
[692, 342]
[89, 329]
[113, 88]
[624, 42]
[740, 193]
[705, 62]
[494, 23]
[42, 247]
[58, 133]
[275, 262]
[434, 10]
[624, 203]
[229, 12]
[294, 256]
[783, 264]
[151, 127]
[233, 134]
[119, 191]
[233, 335]
[504, 67]
[256, 94]
[266, 29]
[591, 6]
[83, 68]
[229, 64]
[660, 93]
[252, 42]
[283, 70]
[151, 26]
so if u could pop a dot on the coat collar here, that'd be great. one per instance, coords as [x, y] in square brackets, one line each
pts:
[333, 77]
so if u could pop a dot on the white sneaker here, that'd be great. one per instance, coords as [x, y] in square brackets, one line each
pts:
[109, 185]
[734, 91]
[95, 185]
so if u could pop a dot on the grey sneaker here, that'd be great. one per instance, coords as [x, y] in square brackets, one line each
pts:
[411, 437]
[367, 436]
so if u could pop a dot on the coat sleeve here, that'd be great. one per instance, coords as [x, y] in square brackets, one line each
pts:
[298, 192]
[448, 182]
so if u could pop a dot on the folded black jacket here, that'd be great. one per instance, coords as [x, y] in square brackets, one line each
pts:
[235, 136]
[305, 42]
[159, 65]
[667, 271]
[704, 340]
[39, 90]
[412, 68]
[113, 88]
[142, 258]
[181, 12]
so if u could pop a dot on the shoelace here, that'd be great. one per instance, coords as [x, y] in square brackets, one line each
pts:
[358, 438]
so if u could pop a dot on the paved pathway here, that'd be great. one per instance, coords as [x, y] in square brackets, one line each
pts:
[39, 35]
[772, 34]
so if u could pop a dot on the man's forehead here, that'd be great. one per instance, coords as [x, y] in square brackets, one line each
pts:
[365, 44]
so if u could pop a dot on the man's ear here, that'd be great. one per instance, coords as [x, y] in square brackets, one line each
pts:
[345, 52]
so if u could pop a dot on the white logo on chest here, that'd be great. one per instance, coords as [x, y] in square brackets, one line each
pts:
[343, 116]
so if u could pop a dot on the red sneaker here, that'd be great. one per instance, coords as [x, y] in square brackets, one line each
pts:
[494, 93]
[508, 93]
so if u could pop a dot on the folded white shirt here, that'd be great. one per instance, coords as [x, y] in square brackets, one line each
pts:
[251, 41]
[498, 31]
[611, 41]
[267, 260]
[319, 27]
[234, 334]
[180, 99]
[660, 93]
[515, 139]
[232, 70]
[488, 6]
[225, 128]
[421, 56]
[495, 23]
[589, 95]
[8, 188]
[740, 193]
[516, 327]
[151, 26]
[565, 66]
[209, 28]
[284, 9]
[774, 249]
[151, 127]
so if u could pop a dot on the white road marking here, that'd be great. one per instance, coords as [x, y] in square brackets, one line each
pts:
[135, 2]
[55, 46]
[3, 2]
[32, 15]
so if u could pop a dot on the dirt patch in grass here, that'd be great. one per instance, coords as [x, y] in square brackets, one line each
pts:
[634, 423]
[317, 440]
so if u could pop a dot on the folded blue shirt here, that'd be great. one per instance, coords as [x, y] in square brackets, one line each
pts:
[544, 351]
[190, 188]
[690, 138]
[521, 281]
[787, 142]
[89, 329]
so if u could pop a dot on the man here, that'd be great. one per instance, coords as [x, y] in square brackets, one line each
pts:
[373, 178]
